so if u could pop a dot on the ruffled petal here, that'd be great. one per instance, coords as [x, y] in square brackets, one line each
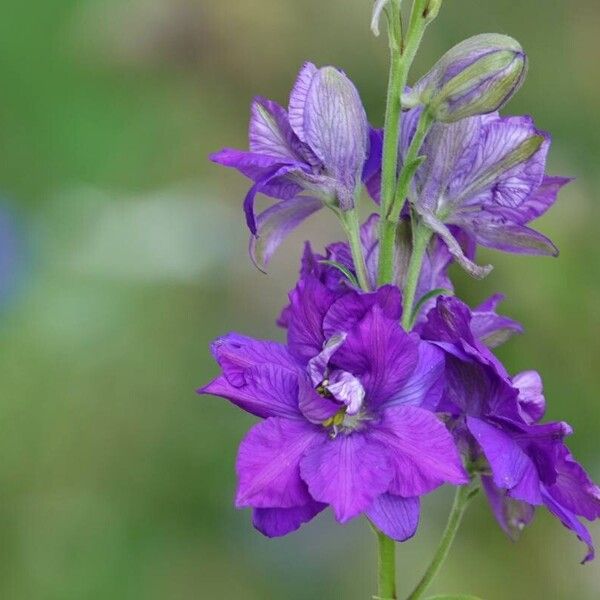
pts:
[380, 353]
[276, 223]
[276, 522]
[268, 464]
[347, 472]
[422, 449]
[489, 327]
[532, 402]
[397, 517]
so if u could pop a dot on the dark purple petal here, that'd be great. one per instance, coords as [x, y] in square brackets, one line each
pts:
[268, 464]
[512, 515]
[335, 127]
[509, 463]
[270, 391]
[423, 451]
[313, 406]
[570, 521]
[397, 517]
[237, 353]
[380, 353]
[371, 175]
[532, 403]
[351, 308]
[276, 522]
[276, 223]
[574, 490]
[489, 327]
[347, 472]
[309, 302]
[425, 386]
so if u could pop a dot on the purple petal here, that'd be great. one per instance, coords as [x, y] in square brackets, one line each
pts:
[347, 472]
[351, 308]
[422, 449]
[508, 461]
[317, 366]
[336, 129]
[509, 237]
[268, 464]
[309, 302]
[237, 353]
[251, 164]
[570, 521]
[313, 406]
[298, 97]
[425, 386]
[371, 175]
[270, 133]
[574, 489]
[397, 517]
[491, 328]
[276, 522]
[270, 391]
[380, 353]
[347, 389]
[532, 403]
[276, 223]
[512, 515]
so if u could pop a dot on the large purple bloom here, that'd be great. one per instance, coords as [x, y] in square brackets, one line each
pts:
[496, 419]
[486, 176]
[310, 155]
[347, 414]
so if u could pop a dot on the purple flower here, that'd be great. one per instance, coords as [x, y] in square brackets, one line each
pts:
[484, 176]
[346, 408]
[310, 155]
[523, 463]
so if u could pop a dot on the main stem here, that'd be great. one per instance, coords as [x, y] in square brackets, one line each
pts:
[386, 576]
[463, 496]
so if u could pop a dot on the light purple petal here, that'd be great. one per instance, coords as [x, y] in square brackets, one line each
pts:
[251, 164]
[422, 449]
[297, 104]
[268, 464]
[276, 522]
[512, 515]
[489, 327]
[276, 223]
[570, 521]
[335, 127]
[347, 472]
[509, 237]
[508, 461]
[397, 517]
[425, 386]
[380, 353]
[317, 366]
[532, 403]
[347, 389]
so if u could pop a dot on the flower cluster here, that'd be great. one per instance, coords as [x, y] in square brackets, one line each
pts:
[386, 390]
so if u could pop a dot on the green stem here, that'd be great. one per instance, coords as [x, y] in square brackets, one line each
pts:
[402, 54]
[421, 237]
[386, 579]
[463, 496]
[352, 228]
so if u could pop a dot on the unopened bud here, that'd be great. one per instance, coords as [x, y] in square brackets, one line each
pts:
[477, 76]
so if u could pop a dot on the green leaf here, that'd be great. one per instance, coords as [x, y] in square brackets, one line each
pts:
[349, 275]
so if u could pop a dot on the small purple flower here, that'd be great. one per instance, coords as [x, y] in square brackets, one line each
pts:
[523, 463]
[347, 414]
[308, 156]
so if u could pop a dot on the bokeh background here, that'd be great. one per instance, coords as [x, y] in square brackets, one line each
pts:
[123, 253]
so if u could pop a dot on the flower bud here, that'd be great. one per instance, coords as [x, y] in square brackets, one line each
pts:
[477, 76]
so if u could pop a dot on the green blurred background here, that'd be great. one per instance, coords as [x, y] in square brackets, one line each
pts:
[124, 254]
